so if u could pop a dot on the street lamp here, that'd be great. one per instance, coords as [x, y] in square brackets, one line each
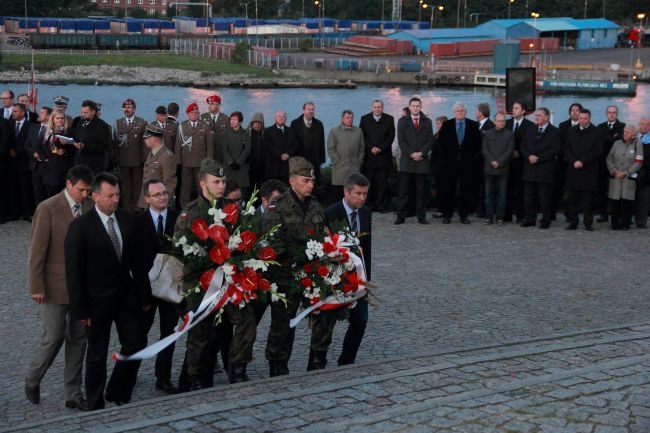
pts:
[535, 15]
[420, 10]
[433, 9]
[510, 2]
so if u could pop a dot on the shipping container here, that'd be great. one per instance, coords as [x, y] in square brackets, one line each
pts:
[505, 56]
[443, 50]
[102, 26]
[410, 66]
[347, 65]
[84, 26]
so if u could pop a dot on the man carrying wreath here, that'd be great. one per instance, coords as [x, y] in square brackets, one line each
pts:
[201, 350]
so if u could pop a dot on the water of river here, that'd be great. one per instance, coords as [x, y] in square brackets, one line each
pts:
[329, 102]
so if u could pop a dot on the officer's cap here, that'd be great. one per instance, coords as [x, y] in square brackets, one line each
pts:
[299, 166]
[161, 110]
[152, 131]
[61, 101]
[210, 166]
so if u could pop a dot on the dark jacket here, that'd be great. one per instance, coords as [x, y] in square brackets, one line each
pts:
[487, 125]
[610, 136]
[95, 135]
[310, 142]
[586, 146]
[99, 282]
[412, 140]
[520, 133]
[545, 146]
[497, 146]
[336, 212]
[277, 142]
[466, 154]
[19, 145]
[379, 134]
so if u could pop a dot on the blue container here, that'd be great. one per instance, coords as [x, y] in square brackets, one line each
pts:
[167, 25]
[86, 25]
[222, 26]
[102, 25]
[134, 26]
[505, 56]
[410, 66]
[347, 65]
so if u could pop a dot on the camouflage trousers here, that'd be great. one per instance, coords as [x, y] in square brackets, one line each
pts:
[199, 337]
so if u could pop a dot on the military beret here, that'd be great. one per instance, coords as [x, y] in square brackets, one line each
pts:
[193, 106]
[152, 131]
[213, 99]
[161, 110]
[61, 100]
[210, 166]
[299, 166]
[128, 102]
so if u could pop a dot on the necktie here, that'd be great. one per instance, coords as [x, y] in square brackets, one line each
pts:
[18, 128]
[353, 221]
[113, 236]
[128, 122]
[308, 123]
[193, 125]
[416, 122]
[460, 131]
[76, 211]
[516, 127]
[611, 126]
[540, 131]
[161, 229]
[214, 119]
[41, 133]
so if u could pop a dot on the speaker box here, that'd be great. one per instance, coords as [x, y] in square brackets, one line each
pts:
[520, 86]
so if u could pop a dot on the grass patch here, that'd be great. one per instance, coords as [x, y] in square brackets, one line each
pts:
[50, 62]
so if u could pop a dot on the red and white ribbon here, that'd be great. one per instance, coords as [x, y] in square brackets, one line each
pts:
[213, 299]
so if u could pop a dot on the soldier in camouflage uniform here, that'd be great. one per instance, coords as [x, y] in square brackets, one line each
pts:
[131, 153]
[299, 215]
[201, 350]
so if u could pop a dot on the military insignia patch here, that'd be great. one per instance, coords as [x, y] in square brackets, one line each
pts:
[183, 216]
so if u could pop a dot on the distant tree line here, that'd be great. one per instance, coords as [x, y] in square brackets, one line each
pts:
[467, 13]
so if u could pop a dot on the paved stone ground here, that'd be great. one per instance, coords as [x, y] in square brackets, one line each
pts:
[474, 329]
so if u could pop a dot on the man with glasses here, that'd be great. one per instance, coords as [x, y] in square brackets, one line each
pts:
[152, 228]
[160, 163]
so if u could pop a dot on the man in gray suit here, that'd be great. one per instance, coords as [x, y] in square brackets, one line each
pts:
[415, 138]
[47, 287]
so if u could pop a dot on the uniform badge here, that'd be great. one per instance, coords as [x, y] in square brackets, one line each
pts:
[183, 216]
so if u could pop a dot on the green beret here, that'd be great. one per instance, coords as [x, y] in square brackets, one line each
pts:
[210, 166]
[299, 166]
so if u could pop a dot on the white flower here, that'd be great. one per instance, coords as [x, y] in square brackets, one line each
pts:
[234, 241]
[218, 215]
[314, 249]
[181, 241]
[250, 210]
[274, 292]
[256, 264]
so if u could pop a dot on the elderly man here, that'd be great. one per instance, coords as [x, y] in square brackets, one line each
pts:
[47, 287]
[279, 148]
[160, 164]
[498, 143]
[345, 148]
[460, 148]
[308, 135]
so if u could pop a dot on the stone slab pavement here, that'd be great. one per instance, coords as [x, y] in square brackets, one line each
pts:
[473, 328]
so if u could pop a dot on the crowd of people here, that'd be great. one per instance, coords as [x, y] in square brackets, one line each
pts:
[148, 180]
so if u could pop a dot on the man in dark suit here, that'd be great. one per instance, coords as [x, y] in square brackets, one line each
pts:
[582, 148]
[151, 228]
[460, 149]
[308, 137]
[378, 134]
[518, 124]
[21, 190]
[34, 139]
[30, 115]
[278, 148]
[92, 136]
[612, 131]
[557, 199]
[539, 150]
[5, 141]
[415, 139]
[100, 262]
[484, 123]
[353, 212]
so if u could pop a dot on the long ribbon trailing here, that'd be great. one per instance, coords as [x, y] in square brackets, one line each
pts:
[339, 300]
[213, 299]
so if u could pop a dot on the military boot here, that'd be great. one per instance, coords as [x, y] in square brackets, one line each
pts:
[277, 368]
[237, 373]
[317, 360]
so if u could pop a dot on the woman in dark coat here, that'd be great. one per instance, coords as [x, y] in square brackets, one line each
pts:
[56, 157]
[233, 152]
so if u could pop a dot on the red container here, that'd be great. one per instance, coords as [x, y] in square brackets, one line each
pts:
[443, 50]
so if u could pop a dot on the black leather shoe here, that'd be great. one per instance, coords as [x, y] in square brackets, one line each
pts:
[589, 228]
[237, 373]
[572, 226]
[641, 226]
[399, 221]
[79, 404]
[166, 386]
[464, 221]
[278, 368]
[446, 221]
[544, 226]
[317, 360]
[423, 221]
[33, 393]
[115, 401]
[602, 219]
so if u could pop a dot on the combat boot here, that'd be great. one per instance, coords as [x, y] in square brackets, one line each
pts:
[276, 368]
[317, 360]
[237, 373]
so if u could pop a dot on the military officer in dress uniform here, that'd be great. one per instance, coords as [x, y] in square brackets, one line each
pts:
[131, 153]
[160, 163]
[194, 143]
[218, 121]
[200, 348]
[298, 213]
[169, 127]
[61, 102]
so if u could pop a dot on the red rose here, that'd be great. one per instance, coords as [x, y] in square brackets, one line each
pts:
[264, 284]
[219, 234]
[232, 213]
[306, 282]
[267, 254]
[323, 271]
[219, 254]
[248, 240]
[206, 278]
[307, 268]
[200, 228]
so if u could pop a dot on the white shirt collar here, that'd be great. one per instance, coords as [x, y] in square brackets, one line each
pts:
[71, 201]
[154, 216]
[482, 122]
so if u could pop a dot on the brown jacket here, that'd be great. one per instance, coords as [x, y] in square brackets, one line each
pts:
[130, 146]
[161, 166]
[46, 264]
[169, 136]
[193, 145]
